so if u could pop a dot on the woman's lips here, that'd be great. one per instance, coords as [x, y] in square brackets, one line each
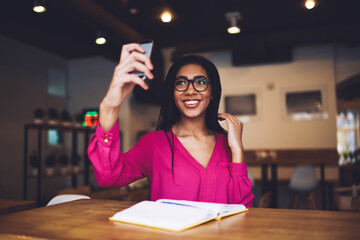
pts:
[191, 103]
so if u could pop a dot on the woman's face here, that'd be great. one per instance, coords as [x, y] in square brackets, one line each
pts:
[191, 103]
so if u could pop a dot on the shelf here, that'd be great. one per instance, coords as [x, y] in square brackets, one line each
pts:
[56, 175]
[40, 128]
[60, 127]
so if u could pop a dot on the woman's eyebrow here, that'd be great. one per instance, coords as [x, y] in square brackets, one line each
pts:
[181, 76]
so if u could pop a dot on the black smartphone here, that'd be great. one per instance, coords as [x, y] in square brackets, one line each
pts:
[147, 45]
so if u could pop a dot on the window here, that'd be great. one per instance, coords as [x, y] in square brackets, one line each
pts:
[244, 106]
[56, 83]
[347, 122]
[307, 104]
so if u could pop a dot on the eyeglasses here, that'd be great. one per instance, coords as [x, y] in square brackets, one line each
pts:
[199, 83]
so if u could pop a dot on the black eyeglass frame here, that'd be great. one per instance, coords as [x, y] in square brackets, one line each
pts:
[192, 82]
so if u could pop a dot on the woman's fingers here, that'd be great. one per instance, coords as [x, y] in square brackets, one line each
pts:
[129, 48]
[139, 57]
[230, 120]
[137, 66]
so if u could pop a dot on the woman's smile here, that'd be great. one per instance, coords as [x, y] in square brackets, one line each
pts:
[191, 103]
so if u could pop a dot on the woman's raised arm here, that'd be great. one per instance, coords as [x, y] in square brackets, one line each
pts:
[123, 82]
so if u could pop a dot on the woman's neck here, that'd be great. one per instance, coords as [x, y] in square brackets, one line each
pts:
[191, 127]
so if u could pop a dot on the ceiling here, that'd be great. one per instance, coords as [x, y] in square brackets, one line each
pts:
[68, 27]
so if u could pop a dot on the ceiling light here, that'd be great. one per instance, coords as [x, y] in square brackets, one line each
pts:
[100, 39]
[233, 18]
[310, 4]
[133, 11]
[39, 6]
[166, 17]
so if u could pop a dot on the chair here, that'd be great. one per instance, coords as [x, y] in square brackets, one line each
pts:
[66, 198]
[265, 200]
[347, 198]
[304, 180]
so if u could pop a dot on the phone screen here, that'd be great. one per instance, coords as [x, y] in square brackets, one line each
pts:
[147, 45]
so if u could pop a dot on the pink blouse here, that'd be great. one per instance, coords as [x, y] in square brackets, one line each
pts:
[221, 182]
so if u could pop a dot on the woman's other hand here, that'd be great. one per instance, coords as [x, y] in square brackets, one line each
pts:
[235, 129]
[123, 82]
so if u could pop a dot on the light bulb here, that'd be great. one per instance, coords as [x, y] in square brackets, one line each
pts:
[310, 4]
[233, 30]
[166, 17]
[39, 9]
[100, 40]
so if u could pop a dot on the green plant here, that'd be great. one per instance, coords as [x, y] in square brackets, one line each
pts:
[50, 160]
[64, 160]
[65, 116]
[38, 113]
[53, 114]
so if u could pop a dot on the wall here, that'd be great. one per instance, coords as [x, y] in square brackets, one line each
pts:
[312, 67]
[24, 75]
[347, 62]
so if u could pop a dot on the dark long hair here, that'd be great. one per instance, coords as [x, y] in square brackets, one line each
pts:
[170, 114]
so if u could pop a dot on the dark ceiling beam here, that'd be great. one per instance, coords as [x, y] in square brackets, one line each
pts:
[325, 35]
[101, 17]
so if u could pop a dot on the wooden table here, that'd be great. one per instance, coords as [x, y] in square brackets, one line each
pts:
[10, 206]
[88, 219]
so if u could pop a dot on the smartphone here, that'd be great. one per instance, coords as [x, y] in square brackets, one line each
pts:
[147, 45]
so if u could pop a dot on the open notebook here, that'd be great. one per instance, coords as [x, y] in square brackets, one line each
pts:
[175, 215]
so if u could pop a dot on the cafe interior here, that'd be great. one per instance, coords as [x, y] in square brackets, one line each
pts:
[290, 71]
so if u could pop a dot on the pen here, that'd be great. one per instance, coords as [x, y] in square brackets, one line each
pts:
[179, 204]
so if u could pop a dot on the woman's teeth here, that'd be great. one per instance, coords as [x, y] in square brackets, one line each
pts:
[192, 102]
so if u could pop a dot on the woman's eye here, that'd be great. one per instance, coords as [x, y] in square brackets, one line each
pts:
[201, 82]
[180, 82]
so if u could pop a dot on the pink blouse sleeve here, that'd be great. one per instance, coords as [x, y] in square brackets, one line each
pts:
[111, 167]
[239, 187]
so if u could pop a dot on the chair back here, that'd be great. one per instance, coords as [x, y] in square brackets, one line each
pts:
[304, 178]
[66, 198]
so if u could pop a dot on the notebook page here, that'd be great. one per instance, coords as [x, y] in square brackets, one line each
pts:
[219, 209]
[165, 216]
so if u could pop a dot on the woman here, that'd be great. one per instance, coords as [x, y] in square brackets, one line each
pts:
[190, 156]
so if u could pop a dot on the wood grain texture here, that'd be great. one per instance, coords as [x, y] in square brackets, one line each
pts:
[88, 219]
[293, 157]
[10, 206]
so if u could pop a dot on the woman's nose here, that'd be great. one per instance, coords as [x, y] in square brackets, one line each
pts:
[190, 89]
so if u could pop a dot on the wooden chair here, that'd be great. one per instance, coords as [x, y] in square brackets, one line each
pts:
[304, 180]
[66, 198]
[348, 202]
[265, 200]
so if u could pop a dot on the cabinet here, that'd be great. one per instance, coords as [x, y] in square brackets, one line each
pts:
[40, 128]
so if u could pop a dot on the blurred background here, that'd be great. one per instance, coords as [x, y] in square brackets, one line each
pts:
[290, 70]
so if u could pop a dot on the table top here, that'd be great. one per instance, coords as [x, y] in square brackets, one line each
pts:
[88, 219]
[293, 157]
[10, 206]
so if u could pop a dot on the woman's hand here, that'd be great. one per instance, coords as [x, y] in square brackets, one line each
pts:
[235, 129]
[123, 82]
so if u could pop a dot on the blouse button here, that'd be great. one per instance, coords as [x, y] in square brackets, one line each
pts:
[106, 135]
[231, 166]
[106, 140]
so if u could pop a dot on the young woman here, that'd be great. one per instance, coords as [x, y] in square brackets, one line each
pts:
[190, 156]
